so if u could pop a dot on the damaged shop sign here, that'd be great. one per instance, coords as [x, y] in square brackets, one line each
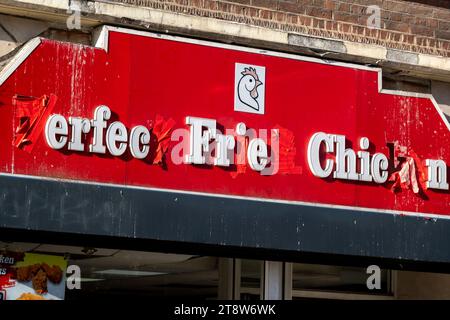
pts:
[202, 134]
[136, 89]
[117, 137]
[371, 168]
[203, 131]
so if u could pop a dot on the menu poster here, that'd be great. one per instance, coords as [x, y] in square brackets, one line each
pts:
[30, 276]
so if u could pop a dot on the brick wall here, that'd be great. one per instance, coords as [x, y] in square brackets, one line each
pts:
[405, 25]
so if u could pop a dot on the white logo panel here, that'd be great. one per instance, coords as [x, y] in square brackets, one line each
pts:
[249, 88]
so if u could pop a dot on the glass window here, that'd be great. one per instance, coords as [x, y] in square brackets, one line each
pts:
[315, 277]
[251, 279]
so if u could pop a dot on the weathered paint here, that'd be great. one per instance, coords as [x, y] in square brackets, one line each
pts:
[141, 77]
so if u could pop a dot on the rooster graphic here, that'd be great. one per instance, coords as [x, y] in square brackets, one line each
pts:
[248, 88]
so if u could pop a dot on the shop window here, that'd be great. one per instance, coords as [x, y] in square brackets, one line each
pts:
[251, 271]
[39, 271]
[338, 282]
[314, 281]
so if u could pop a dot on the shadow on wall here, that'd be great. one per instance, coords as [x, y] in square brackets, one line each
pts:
[441, 92]
[15, 31]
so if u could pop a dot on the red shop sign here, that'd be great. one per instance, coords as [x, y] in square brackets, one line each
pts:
[170, 113]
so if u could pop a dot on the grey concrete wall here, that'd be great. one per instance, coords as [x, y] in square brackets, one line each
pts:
[441, 92]
[15, 31]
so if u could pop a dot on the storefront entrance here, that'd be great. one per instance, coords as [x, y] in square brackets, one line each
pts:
[109, 273]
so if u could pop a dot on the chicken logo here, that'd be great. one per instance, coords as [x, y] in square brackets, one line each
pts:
[249, 88]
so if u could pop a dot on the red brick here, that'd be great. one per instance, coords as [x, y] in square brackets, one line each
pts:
[318, 12]
[240, 1]
[396, 36]
[397, 26]
[344, 7]
[394, 6]
[293, 18]
[330, 4]
[347, 17]
[318, 3]
[304, 20]
[223, 7]
[292, 7]
[383, 34]
[271, 4]
[196, 3]
[432, 23]
[280, 16]
[420, 41]
[345, 27]
[444, 25]
[363, 20]
[421, 30]
[409, 38]
[365, 2]
[427, 42]
[305, 2]
[422, 21]
[442, 34]
[265, 14]
[211, 5]
[331, 25]
[358, 30]
[370, 33]
[182, 2]
[358, 9]
[318, 23]
[433, 43]
[252, 12]
[419, 10]
[445, 45]
[237, 9]
[412, 25]
[441, 14]
[394, 16]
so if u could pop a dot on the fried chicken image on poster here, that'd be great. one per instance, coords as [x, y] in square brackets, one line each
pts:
[32, 276]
